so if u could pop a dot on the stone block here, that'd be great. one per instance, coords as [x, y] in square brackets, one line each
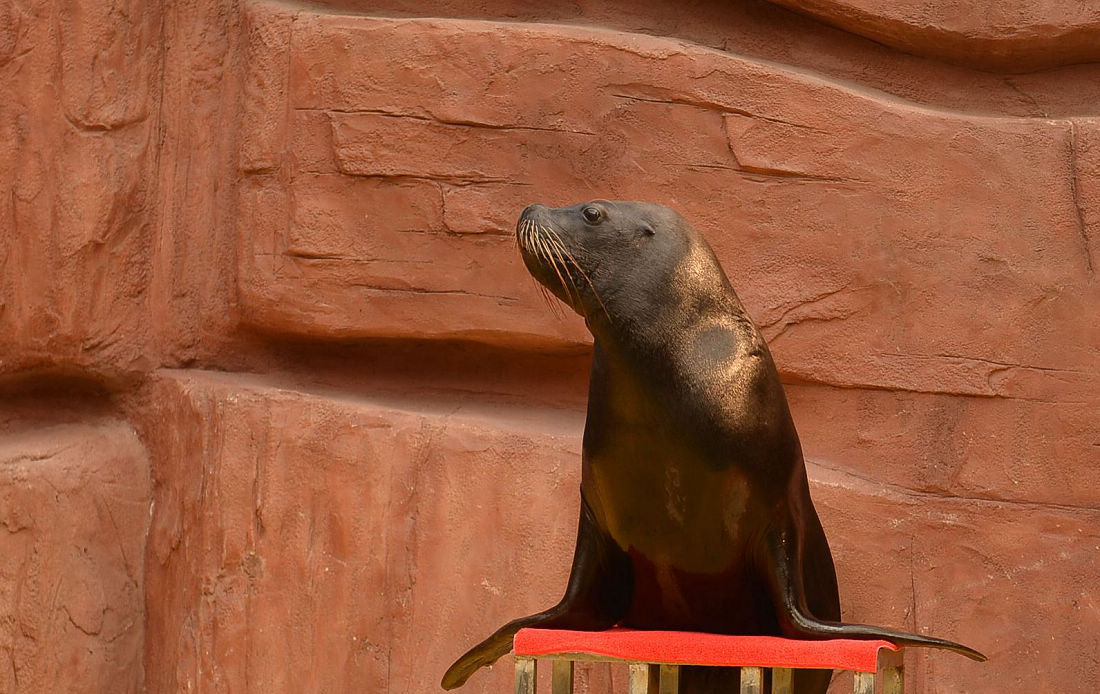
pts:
[988, 448]
[1014, 580]
[320, 542]
[1011, 35]
[74, 509]
[78, 207]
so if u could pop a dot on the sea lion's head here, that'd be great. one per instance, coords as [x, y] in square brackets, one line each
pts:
[616, 261]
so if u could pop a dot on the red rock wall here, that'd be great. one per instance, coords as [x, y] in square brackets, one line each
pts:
[281, 411]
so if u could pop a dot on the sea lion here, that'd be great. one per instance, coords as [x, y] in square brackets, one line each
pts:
[695, 507]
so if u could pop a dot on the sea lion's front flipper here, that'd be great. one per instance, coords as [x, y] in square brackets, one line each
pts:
[597, 596]
[783, 569]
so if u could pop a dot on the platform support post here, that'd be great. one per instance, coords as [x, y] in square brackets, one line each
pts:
[864, 683]
[752, 680]
[644, 678]
[670, 679]
[561, 680]
[782, 680]
[890, 663]
[525, 676]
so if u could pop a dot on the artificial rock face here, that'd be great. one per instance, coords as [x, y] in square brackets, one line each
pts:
[217, 210]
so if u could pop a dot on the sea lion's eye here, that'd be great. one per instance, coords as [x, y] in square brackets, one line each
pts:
[592, 215]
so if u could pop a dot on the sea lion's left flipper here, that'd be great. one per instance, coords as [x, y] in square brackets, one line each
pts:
[785, 581]
[597, 596]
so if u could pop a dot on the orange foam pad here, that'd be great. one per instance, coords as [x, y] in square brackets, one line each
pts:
[690, 648]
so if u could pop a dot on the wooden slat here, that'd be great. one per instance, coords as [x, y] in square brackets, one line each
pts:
[782, 680]
[752, 680]
[670, 679]
[525, 676]
[891, 665]
[644, 678]
[864, 683]
[892, 680]
[561, 681]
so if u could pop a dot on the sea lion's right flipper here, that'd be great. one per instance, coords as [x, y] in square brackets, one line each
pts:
[597, 596]
[783, 567]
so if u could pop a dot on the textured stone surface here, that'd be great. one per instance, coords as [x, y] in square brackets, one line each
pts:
[74, 509]
[835, 212]
[1010, 579]
[760, 29]
[318, 541]
[77, 203]
[113, 258]
[987, 448]
[369, 540]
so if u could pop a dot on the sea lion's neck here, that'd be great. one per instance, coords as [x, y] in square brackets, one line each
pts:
[681, 367]
[640, 328]
[658, 304]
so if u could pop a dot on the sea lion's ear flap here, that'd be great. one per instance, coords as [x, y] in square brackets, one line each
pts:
[647, 229]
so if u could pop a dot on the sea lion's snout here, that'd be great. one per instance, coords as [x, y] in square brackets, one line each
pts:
[532, 209]
[531, 216]
[528, 226]
[528, 221]
[546, 251]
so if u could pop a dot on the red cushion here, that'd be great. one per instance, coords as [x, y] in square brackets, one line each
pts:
[689, 648]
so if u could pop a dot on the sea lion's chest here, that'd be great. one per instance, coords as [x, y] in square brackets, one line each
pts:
[665, 467]
[657, 498]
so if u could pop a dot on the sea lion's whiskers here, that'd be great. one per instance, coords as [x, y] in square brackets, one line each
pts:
[557, 263]
[557, 270]
[571, 284]
[523, 237]
[542, 251]
[547, 297]
[561, 254]
[551, 301]
[569, 256]
[526, 239]
[540, 243]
